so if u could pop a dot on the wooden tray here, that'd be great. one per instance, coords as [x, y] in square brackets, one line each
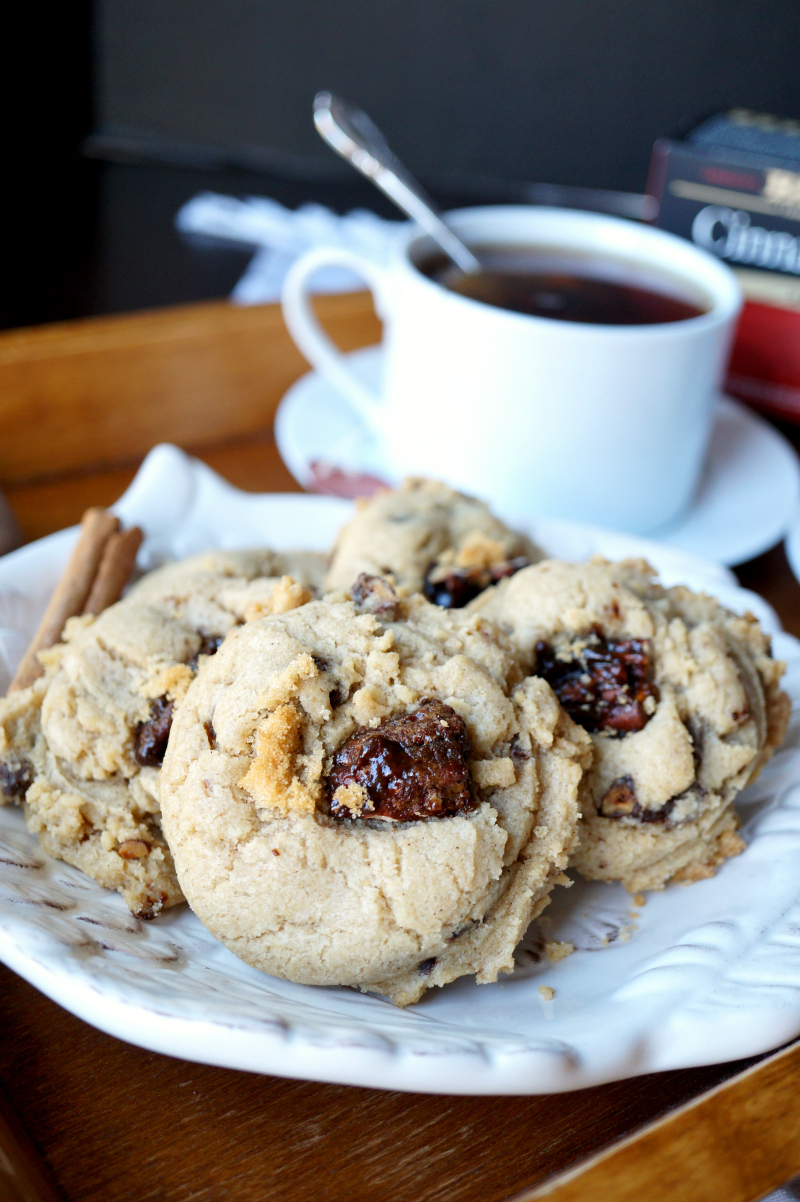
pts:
[80, 404]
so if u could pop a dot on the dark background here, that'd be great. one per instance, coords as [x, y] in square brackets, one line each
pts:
[131, 106]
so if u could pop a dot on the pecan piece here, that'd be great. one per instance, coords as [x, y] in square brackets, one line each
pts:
[375, 595]
[338, 694]
[16, 777]
[605, 684]
[409, 767]
[455, 588]
[150, 737]
[517, 751]
[134, 849]
[152, 906]
[620, 801]
[209, 645]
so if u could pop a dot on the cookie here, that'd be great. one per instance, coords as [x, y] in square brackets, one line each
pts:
[82, 748]
[372, 799]
[429, 539]
[681, 699]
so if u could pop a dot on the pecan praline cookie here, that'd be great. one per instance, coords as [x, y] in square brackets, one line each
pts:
[82, 747]
[681, 699]
[430, 539]
[372, 800]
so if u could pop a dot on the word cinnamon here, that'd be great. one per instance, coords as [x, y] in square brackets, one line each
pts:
[97, 572]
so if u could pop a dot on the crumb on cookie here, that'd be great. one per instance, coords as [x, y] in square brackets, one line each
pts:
[270, 780]
[284, 687]
[171, 682]
[352, 797]
[287, 594]
[478, 550]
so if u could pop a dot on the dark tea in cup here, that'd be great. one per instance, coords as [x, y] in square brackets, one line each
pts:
[568, 285]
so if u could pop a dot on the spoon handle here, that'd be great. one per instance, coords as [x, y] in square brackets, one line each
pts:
[353, 135]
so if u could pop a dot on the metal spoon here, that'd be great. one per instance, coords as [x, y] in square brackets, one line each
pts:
[353, 135]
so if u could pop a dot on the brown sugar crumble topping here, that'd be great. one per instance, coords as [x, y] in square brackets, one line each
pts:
[605, 684]
[454, 588]
[150, 737]
[409, 767]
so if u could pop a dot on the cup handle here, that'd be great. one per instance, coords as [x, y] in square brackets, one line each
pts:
[309, 335]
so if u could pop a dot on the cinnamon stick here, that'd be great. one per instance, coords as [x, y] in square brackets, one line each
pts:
[71, 592]
[113, 573]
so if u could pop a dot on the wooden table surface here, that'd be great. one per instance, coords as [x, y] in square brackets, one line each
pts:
[80, 404]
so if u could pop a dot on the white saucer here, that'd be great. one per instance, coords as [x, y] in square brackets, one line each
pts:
[744, 504]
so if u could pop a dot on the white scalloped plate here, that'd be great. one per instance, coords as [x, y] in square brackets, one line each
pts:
[700, 974]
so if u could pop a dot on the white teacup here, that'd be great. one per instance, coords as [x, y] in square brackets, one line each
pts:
[599, 423]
